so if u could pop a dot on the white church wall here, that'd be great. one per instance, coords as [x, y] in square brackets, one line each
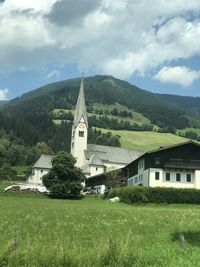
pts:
[95, 170]
[37, 174]
[79, 143]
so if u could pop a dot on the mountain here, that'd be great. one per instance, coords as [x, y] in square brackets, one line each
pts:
[191, 104]
[161, 110]
[111, 103]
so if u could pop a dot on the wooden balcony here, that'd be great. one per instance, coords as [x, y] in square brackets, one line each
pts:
[182, 164]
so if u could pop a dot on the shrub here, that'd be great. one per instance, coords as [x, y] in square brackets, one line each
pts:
[138, 194]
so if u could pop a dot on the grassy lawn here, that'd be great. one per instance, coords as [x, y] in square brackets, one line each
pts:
[144, 140]
[37, 231]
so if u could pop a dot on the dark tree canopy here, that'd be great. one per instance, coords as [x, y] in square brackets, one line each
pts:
[64, 179]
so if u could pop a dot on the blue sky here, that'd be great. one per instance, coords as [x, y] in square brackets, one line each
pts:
[155, 47]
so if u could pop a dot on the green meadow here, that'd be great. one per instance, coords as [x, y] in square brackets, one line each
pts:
[145, 140]
[38, 231]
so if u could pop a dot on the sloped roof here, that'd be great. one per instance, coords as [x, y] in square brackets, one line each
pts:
[44, 162]
[95, 160]
[174, 145]
[111, 154]
[80, 111]
[169, 147]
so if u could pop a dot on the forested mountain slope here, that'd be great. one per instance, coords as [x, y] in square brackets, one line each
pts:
[160, 110]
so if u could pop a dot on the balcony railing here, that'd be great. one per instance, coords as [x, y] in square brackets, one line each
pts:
[182, 164]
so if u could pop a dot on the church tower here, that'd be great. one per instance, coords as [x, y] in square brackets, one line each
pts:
[80, 129]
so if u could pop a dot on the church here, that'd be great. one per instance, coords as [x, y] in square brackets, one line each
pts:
[92, 159]
[95, 159]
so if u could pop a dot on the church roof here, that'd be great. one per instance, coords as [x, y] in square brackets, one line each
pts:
[95, 160]
[80, 111]
[44, 162]
[111, 154]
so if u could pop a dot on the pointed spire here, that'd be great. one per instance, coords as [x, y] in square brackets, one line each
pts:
[80, 107]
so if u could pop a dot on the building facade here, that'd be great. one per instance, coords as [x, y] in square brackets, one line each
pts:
[175, 166]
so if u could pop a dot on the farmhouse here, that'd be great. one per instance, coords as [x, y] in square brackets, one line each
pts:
[173, 166]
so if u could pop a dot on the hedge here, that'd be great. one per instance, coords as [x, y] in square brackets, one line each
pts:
[139, 194]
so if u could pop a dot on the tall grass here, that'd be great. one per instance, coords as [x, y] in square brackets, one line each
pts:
[37, 231]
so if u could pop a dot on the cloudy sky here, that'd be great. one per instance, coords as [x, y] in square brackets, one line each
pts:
[154, 44]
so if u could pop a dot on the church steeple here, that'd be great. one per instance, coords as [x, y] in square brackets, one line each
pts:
[80, 107]
[80, 129]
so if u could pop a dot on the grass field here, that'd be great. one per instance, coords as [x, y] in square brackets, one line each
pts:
[37, 231]
[145, 140]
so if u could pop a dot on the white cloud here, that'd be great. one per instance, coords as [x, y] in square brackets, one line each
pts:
[115, 37]
[3, 94]
[177, 75]
[53, 74]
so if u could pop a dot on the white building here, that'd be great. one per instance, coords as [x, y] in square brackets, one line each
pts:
[40, 168]
[175, 166]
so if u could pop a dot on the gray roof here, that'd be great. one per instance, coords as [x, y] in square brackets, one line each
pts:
[80, 107]
[95, 160]
[44, 162]
[111, 154]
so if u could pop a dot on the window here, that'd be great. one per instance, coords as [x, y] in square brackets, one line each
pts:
[41, 171]
[136, 180]
[96, 168]
[178, 177]
[157, 161]
[157, 175]
[167, 176]
[188, 177]
[81, 133]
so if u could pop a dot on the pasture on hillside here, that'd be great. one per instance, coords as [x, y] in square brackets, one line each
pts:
[145, 140]
[38, 231]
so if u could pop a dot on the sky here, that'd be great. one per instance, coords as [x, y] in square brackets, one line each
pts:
[153, 44]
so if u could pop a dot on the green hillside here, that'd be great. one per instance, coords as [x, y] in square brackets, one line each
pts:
[145, 141]
[112, 104]
[187, 102]
[105, 90]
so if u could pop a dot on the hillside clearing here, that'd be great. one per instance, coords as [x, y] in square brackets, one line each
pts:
[94, 232]
[144, 140]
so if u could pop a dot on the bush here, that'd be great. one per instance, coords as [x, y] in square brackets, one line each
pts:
[138, 194]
